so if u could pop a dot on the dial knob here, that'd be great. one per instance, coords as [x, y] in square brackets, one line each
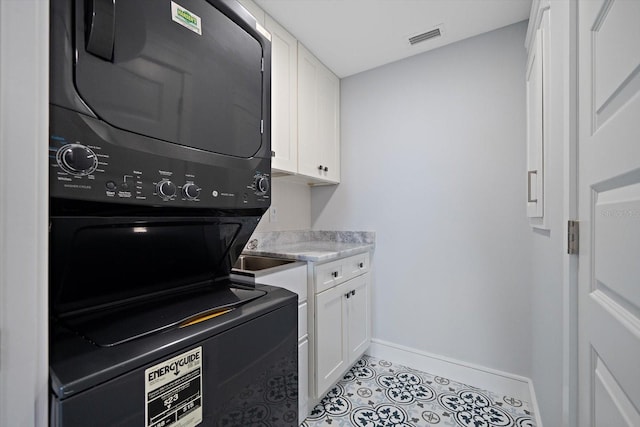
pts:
[77, 159]
[190, 191]
[261, 185]
[166, 189]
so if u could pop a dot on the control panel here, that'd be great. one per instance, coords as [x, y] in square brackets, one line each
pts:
[96, 170]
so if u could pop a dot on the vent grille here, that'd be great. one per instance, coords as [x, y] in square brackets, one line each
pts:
[425, 36]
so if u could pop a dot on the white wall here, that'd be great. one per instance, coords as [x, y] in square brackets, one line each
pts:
[433, 154]
[24, 94]
[292, 201]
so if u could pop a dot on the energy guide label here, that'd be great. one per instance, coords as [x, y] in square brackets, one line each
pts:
[173, 391]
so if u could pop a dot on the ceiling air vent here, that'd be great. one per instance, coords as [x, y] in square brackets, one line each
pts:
[425, 36]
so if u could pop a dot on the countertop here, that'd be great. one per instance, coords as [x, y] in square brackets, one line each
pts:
[314, 246]
[312, 251]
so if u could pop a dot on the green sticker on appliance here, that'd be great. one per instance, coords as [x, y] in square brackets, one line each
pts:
[186, 18]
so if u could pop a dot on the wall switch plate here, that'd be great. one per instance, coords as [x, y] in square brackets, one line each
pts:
[273, 214]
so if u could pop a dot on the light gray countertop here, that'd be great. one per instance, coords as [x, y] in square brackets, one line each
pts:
[313, 246]
[317, 251]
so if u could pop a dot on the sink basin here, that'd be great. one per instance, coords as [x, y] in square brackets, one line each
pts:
[257, 263]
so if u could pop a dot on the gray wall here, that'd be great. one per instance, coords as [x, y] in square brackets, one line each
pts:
[433, 154]
[292, 201]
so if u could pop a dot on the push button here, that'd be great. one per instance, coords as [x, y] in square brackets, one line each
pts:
[111, 186]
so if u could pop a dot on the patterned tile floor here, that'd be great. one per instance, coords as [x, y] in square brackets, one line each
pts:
[377, 393]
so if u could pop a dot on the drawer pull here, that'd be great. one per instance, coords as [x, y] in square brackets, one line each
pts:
[361, 265]
[335, 274]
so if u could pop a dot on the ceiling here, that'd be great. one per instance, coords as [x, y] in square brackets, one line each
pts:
[350, 36]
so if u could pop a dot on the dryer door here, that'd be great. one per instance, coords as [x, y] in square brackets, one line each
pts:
[182, 72]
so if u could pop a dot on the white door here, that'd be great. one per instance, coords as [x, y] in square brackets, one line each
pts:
[609, 210]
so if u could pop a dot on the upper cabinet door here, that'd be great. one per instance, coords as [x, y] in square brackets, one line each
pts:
[284, 98]
[318, 119]
[535, 124]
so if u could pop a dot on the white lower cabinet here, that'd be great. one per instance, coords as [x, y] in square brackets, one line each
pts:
[342, 329]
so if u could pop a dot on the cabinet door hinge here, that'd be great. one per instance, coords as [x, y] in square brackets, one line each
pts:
[573, 237]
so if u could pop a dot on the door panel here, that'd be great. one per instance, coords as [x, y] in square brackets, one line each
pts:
[616, 255]
[609, 209]
[613, 335]
[613, 408]
[616, 57]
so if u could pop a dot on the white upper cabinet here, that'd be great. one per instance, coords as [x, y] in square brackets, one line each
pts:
[305, 108]
[318, 119]
[535, 138]
[537, 83]
[284, 98]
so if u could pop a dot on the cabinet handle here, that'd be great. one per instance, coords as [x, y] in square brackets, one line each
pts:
[529, 199]
[348, 294]
[335, 274]
[353, 292]
[320, 167]
[361, 265]
[326, 169]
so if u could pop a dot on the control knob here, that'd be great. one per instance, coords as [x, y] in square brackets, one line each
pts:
[77, 159]
[166, 189]
[190, 191]
[261, 185]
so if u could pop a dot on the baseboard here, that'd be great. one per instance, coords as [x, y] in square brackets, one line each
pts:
[478, 376]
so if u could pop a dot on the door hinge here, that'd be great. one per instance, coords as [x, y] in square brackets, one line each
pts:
[573, 237]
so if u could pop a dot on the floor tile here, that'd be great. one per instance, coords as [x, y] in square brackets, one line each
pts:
[378, 393]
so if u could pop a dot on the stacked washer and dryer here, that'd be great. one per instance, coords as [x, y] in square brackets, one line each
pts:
[160, 164]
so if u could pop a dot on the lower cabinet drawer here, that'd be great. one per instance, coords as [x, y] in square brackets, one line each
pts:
[333, 273]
